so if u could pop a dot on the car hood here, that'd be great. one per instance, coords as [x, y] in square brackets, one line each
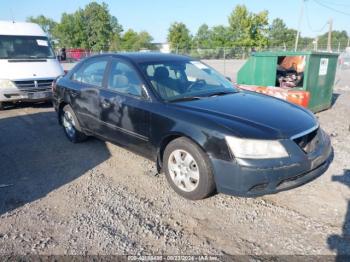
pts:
[253, 115]
[15, 70]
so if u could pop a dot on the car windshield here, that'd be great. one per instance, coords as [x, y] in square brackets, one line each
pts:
[183, 80]
[25, 47]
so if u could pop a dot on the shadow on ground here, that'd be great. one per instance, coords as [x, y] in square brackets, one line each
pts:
[334, 98]
[341, 243]
[36, 158]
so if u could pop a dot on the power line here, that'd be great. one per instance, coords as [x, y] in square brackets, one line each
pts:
[334, 3]
[309, 24]
[331, 8]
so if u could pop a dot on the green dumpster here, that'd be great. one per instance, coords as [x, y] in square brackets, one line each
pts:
[310, 71]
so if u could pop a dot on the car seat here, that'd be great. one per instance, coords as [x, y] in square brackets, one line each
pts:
[165, 86]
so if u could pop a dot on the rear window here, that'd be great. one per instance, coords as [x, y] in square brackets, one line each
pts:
[25, 47]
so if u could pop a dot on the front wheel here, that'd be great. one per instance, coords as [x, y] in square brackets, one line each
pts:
[69, 122]
[188, 169]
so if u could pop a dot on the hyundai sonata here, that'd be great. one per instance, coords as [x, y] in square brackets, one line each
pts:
[206, 135]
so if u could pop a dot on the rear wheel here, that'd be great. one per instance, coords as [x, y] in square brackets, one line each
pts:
[188, 169]
[1, 106]
[70, 124]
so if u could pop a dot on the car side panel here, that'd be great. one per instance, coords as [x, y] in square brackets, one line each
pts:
[167, 121]
[126, 121]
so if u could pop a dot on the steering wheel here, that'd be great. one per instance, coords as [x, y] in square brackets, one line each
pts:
[197, 83]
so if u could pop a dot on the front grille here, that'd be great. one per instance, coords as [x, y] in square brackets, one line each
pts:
[34, 85]
[309, 142]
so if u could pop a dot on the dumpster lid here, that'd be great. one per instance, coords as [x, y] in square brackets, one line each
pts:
[293, 53]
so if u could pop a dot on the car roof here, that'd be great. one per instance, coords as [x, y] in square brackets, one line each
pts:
[144, 57]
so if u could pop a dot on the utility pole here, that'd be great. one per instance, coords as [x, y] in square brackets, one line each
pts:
[299, 24]
[315, 44]
[329, 43]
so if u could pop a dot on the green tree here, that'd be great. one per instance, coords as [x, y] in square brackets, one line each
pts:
[280, 35]
[248, 29]
[220, 37]
[305, 43]
[128, 40]
[339, 39]
[179, 37]
[47, 24]
[98, 26]
[116, 27]
[92, 28]
[144, 41]
[133, 41]
[70, 32]
[202, 39]
[115, 43]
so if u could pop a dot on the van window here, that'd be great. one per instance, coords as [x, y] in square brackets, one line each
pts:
[25, 47]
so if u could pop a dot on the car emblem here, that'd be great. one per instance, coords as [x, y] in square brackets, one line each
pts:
[35, 84]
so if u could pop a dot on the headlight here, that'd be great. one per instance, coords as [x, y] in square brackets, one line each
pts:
[256, 149]
[5, 83]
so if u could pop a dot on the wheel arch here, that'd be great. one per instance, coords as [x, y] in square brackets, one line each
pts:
[60, 111]
[61, 105]
[166, 140]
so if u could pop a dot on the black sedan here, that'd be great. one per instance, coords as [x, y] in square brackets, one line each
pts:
[202, 132]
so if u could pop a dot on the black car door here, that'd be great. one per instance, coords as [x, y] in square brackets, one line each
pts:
[124, 108]
[85, 92]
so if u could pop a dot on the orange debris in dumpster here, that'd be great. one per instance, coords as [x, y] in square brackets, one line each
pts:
[298, 97]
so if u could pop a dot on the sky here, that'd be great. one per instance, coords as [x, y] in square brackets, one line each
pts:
[155, 16]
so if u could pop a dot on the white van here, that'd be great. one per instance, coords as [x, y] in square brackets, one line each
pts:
[28, 64]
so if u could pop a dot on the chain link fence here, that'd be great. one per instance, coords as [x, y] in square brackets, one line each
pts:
[213, 53]
[226, 60]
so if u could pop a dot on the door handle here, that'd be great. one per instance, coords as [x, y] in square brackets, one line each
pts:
[106, 103]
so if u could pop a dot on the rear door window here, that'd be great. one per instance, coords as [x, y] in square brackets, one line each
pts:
[92, 73]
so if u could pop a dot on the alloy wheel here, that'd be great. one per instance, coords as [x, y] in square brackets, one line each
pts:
[69, 124]
[183, 170]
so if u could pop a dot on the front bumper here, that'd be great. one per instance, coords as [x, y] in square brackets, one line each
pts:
[15, 94]
[259, 177]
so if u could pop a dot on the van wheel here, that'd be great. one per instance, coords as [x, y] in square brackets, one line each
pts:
[70, 122]
[188, 169]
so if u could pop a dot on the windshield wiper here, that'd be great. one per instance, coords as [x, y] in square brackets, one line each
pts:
[186, 98]
[221, 93]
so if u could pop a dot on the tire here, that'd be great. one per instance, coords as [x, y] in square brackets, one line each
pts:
[71, 125]
[1, 106]
[188, 169]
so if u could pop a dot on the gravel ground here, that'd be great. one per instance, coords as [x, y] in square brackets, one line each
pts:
[97, 198]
